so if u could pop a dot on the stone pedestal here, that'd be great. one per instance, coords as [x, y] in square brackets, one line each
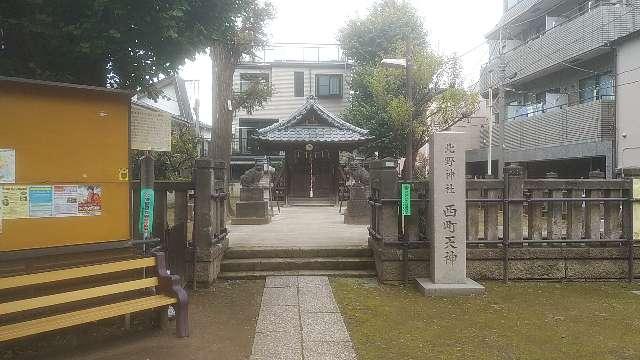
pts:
[208, 263]
[358, 211]
[447, 214]
[252, 209]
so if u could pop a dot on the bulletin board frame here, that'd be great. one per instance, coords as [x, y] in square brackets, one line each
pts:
[67, 135]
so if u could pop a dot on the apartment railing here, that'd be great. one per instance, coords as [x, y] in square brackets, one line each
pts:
[582, 123]
[594, 27]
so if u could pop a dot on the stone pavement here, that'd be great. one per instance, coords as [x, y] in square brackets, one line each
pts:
[301, 226]
[299, 319]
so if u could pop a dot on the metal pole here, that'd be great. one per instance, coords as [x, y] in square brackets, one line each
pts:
[408, 162]
[489, 155]
[502, 111]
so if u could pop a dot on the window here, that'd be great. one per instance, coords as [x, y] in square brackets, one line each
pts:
[329, 85]
[599, 87]
[247, 80]
[298, 84]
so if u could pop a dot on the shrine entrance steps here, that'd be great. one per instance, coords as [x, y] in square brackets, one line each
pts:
[260, 262]
[319, 201]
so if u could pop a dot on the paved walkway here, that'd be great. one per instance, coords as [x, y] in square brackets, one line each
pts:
[301, 226]
[299, 319]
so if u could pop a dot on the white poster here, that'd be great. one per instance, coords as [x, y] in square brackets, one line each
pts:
[150, 130]
[65, 200]
[1, 218]
[7, 166]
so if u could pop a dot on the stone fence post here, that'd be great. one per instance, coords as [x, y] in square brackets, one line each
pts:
[207, 225]
[384, 185]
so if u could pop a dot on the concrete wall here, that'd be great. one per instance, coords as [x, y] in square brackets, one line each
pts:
[627, 103]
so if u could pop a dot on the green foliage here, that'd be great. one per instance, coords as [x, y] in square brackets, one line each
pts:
[253, 98]
[118, 43]
[382, 33]
[380, 100]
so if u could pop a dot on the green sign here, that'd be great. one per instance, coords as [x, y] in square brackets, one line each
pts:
[406, 199]
[147, 202]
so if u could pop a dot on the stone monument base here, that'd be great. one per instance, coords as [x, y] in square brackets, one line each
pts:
[358, 211]
[428, 288]
[252, 209]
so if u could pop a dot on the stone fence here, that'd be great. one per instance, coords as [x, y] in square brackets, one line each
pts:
[524, 229]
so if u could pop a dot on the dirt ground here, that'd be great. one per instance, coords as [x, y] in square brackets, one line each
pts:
[222, 324]
[514, 321]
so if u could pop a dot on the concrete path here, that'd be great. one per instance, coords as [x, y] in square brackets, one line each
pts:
[299, 319]
[301, 226]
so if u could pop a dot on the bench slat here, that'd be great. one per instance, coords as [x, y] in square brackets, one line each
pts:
[73, 273]
[77, 295]
[61, 321]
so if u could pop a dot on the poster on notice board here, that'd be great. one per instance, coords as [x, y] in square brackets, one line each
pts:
[89, 200]
[65, 200]
[7, 166]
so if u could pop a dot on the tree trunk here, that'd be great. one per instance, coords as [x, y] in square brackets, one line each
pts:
[223, 67]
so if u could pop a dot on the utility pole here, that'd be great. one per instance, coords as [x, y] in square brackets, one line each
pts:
[408, 162]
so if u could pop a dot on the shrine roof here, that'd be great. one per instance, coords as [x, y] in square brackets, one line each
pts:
[325, 127]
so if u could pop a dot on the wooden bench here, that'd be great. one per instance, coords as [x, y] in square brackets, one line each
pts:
[167, 291]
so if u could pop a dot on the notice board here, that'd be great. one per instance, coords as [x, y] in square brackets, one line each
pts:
[65, 165]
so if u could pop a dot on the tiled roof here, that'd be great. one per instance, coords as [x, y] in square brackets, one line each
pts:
[337, 131]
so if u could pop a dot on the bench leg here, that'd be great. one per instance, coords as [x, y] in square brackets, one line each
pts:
[127, 322]
[163, 318]
[182, 319]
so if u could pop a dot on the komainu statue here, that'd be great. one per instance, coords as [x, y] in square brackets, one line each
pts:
[251, 177]
[359, 175]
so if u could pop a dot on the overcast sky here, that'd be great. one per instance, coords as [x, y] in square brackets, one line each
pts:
[455, 26]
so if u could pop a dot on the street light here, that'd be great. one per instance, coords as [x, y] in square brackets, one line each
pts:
[407, 65]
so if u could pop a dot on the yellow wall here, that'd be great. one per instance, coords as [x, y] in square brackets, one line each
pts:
[67, 136]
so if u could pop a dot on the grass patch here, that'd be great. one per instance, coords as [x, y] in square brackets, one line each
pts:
[512, 321]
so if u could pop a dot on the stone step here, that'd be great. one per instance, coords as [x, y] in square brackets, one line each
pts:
[252, 252]
[276, 264]
[296, 201]
[253, 275]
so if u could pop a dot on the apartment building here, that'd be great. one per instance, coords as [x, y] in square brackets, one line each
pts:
[571, 74]
[292, 82]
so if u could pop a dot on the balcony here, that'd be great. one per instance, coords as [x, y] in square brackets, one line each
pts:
[583, 123]
[573, 39]
[518, 9]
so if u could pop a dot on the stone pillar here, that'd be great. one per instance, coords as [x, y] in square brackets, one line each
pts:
[205, 270]
[447, 215]
[384, 185]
